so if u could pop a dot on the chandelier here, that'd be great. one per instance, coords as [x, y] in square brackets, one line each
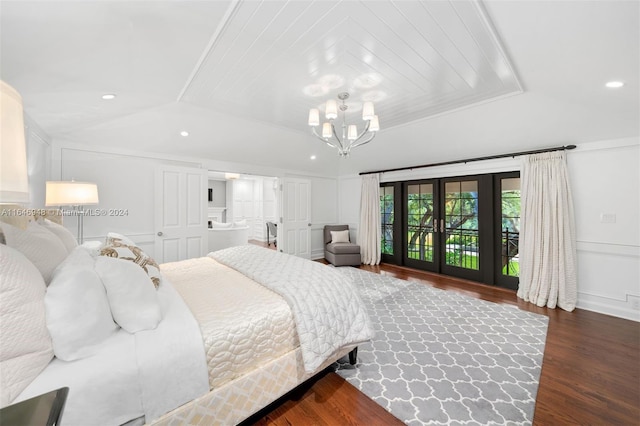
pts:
[349, 138]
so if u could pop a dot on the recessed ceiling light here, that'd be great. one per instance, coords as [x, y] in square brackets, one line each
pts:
[614, 84]
[313, 157]
[108, 96]
[184, 133]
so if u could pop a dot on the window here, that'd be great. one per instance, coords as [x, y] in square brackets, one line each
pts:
[387, 217]
[510, 226]
[420, 221]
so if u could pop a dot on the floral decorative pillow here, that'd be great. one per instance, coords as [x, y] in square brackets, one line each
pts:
[114, 236]
[117, 249]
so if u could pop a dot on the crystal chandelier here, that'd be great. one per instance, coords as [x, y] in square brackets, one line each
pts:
[350, 137]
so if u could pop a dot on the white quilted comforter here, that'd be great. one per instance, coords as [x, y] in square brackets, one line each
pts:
[243, 324]
[327, 309]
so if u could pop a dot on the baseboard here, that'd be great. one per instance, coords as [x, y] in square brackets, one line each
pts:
[317, 254]
[607, 306]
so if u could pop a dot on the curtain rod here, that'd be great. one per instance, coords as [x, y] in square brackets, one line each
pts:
[470, 160]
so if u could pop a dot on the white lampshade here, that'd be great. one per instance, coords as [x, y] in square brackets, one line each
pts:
[71, 193]
[352, 133]
[367, 111]
[331, 111]
[14, 178]
[314, 117]
[326, 130]
[374, 125]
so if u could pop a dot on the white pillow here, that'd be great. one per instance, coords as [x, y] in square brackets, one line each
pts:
[25, 345]
[92, 247]
[41, 246]
[66, 237]
[78, 312]
[132, 295]
[219, 225]
[340, 236]
[117, 249]
[240, 224]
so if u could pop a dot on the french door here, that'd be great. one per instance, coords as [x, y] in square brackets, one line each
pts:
[444, 227]
[453, 226]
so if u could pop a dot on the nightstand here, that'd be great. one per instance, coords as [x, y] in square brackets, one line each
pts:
[42, 410]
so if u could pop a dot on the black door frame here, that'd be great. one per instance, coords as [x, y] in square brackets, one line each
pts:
[433, 266]
[484, 273]
[500, 279]
[396, 257]
[489, 230]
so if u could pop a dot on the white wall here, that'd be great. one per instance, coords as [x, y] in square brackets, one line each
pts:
[219, 192]
[349, 201]
[605, 179]
[38, 161]
[126, 181]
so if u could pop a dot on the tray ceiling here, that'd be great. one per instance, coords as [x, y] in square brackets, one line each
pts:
[273, 60]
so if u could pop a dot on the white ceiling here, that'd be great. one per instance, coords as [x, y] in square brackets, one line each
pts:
[450, 79]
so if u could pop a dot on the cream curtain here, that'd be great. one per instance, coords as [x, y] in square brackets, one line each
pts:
[547, 233]
[369, 230]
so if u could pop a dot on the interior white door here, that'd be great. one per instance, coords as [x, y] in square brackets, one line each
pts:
[180, 213]
[294, 230]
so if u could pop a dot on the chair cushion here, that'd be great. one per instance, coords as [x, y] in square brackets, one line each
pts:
[343, 248]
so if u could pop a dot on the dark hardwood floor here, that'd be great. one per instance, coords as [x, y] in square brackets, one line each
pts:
[590, 371]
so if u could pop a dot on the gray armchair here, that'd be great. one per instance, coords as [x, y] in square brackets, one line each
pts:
[338, 253]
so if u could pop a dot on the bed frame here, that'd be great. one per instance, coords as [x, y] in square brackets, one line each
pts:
[237, 400]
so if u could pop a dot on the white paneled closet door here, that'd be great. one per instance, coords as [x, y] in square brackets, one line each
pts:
[180, 213]
[294, 229]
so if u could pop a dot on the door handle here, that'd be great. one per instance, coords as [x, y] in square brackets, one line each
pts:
[441, 225]
[308, 224]
[160, 234]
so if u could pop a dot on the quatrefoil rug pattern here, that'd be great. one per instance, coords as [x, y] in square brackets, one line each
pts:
[442, 358]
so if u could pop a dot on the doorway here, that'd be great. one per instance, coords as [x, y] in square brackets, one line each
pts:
[465, 227]
[242, 198]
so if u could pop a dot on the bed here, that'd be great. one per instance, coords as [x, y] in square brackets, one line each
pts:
[228, 333]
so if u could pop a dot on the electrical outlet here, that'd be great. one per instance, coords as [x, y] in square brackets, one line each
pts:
[607, 218]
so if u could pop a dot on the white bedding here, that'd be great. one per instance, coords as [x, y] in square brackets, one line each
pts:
[153, 372]
[244, 325]
[103, 389]
[122, 382]
[327, 309]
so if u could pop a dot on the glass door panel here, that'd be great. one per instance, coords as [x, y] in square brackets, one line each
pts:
[421, 225]
[461, 224]
[387, 218]
[508, 269]
[460, 228]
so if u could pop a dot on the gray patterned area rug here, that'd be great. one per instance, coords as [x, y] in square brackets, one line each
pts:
[442, 358]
